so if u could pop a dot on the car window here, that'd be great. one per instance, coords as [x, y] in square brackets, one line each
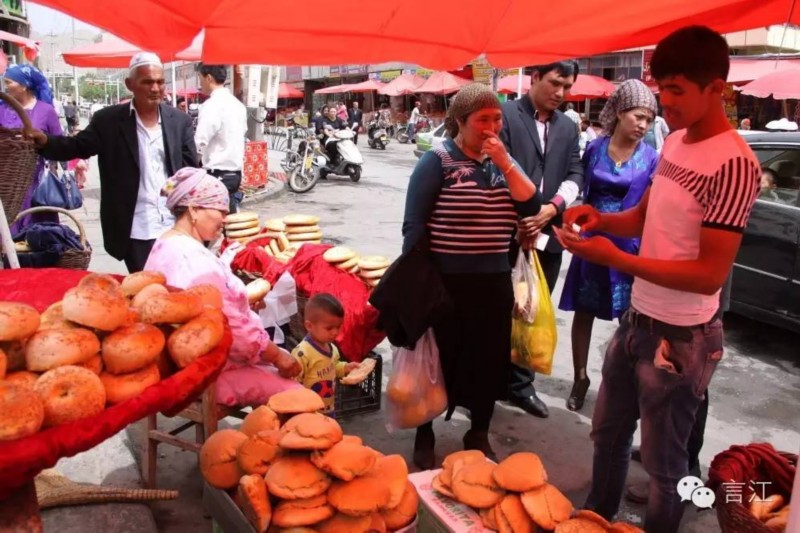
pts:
[780, 174]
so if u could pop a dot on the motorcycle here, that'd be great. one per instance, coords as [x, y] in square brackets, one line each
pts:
[304, 165]
[424, 124]
[347, 159]
[376, 135]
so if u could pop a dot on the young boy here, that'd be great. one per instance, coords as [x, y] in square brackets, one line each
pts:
[317, 355]
[661, 358]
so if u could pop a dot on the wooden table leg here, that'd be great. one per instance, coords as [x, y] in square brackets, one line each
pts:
[19, 513]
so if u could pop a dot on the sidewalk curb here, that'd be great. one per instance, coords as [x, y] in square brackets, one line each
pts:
[275, 189]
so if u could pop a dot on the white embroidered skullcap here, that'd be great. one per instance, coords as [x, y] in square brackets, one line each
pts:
[144, 59]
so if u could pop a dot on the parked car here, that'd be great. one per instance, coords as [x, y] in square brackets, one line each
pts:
[766, 273]
[429, 139]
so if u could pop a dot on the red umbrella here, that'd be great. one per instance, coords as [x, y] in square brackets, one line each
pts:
[442, 82]
[335, 89]
[782, 85]
[31, 46]
[287, 91]
[402, 85]
[588, 86]
[366, 86]
[188, 93]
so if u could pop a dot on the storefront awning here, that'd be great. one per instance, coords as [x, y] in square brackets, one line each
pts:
[113, 52]
[744, 70]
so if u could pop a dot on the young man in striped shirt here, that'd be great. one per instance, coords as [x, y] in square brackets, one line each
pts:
[661, 359]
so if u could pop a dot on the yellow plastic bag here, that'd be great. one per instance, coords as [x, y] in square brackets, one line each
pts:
[533, 344]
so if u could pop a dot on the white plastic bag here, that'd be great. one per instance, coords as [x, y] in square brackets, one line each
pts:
[526, 292]
[416, 390]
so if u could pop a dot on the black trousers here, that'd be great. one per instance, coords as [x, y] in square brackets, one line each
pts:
[521, 381]
[138, 252]
[232, 179]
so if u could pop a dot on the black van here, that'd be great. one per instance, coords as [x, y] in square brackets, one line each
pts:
[766, 275]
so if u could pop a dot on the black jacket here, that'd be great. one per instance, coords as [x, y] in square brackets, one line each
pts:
[356, 116]
[560, 162]
[111, 135]
[410, 297]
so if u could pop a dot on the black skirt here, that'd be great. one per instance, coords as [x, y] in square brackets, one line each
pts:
[474, 340]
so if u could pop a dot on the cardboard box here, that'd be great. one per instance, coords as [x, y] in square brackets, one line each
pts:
[440, 514]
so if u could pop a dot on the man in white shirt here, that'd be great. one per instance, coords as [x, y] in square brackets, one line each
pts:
[572, 114]
[412, 121]
[221, 131]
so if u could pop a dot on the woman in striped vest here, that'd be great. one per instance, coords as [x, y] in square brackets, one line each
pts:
[465, 197]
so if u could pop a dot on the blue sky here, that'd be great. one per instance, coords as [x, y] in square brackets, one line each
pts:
[45, 20]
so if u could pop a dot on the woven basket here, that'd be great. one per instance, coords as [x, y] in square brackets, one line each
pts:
[72, 259]
[734, 517]
[18, 158]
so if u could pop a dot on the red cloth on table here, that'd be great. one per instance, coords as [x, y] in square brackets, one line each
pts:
[313, 275]
[255, 260]
[753, 462]
[22, 459]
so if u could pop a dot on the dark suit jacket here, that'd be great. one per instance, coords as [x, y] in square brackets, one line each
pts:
[560, 162]
[111, 135]
[355, 116]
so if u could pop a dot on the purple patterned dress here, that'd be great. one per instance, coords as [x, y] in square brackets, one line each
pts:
[43, 117]
[594, 289]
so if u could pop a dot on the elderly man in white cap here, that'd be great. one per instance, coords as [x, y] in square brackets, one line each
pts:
[139, 145]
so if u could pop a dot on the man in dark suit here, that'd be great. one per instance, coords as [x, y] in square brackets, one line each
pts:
[355, 120]
[545, 143]
[139, 144]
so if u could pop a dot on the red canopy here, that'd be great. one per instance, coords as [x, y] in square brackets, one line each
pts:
[188, 92]
[782, 85]
[442, 83]
[588, 86]
[744, 70]
[402, 85]
[287, 91]
[335, 89]
[31, 46]
[366, 86]
[113, 52]
[380, 32]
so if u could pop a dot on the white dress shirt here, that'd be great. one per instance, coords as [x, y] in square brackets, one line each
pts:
[568, 190]
[221, 131]
[151, 218]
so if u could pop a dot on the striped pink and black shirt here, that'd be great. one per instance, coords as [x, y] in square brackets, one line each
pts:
[465, 209]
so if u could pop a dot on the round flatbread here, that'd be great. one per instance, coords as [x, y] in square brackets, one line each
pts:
[339, 254]
[300, 220]
[361, 373]
[353, 270]
[22, 246]
[372, 282]
[373, 262]
[373, 274]
[347, 265]
[273, 245]
[275, 224]
[268, 250]
[238, 234]
[294, 237]
[257, 290]
[302, 229]
[244, 216]
[241, 225]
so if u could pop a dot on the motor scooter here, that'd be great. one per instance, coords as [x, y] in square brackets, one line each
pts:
[376, 135]
[343, 156]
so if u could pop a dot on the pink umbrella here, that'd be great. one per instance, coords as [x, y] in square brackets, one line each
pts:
[113, 52]
[508, 84]
[335, 89]
[782, 85]
[31, 46]
[366, 86]
[442, 82]
[402, 85]
[287, 91]
[588, 86]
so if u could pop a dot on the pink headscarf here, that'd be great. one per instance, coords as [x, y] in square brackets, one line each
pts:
[194, 187]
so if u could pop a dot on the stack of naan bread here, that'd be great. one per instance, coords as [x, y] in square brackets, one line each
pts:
[369, 268]
[292, 467]
[103, 344]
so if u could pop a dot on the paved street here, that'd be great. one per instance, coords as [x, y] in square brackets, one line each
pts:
[755, 394]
